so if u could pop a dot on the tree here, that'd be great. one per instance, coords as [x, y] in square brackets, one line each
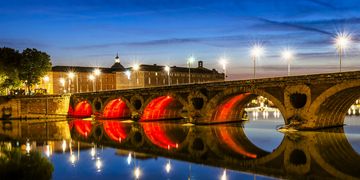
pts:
[33, 66]
[9, 74]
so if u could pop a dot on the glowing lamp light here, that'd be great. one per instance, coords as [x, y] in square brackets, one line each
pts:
[92, 152]
[257, 51]
[91, 77]
[63, 145]
[342, 40]
[98, 164]
[72, 158]
[137, 172]
[71, 75]
[136, 67]
[62, 81]
[28, 147]
[223, 62]
[46, 78]
[128, 74]
[224, 176]
[97, 72]
[129, 158]
[287, 54]
[167, 69]
[47, 150]
[191, 60]
[168, 167]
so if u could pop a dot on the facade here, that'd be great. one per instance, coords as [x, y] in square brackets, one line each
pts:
[75, 79]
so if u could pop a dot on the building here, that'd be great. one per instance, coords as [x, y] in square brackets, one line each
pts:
[72, 79]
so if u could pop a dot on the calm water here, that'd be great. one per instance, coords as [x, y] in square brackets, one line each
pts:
[80, 149]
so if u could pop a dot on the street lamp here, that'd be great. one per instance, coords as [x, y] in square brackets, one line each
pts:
[342, 41]
[136, 68]
[223, 62]
[167, 69]
[91, 77]
[190, 60]
[256, 52]
[97, 72]
[71, 75]
[288, 56]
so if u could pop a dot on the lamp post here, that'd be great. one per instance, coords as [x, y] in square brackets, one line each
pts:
[342, 41]
[136, 68]
[71, 75]
[97, 72]
[190, 60]
[167, 69]
[256, 52]
[288, 56]
[223, 63]
[91, 77]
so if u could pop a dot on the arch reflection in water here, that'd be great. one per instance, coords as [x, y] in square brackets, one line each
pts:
[311, 154]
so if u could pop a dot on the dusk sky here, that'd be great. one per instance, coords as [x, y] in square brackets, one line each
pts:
[91, 32]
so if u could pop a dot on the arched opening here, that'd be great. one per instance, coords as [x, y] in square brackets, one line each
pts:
[82, 127]
[232, 109]
[166, 136]
[333, 110]
[245, 107]
[82, 109]
[116, 109]
[116, 131]
[162, 108]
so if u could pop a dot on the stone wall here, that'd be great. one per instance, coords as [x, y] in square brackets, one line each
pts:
[34, 107]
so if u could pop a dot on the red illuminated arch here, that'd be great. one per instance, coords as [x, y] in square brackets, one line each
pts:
[116, 109]
[231, 109]
[163, 107]
[115, 130]
[83, 127]
[157, 135]
[82, 109]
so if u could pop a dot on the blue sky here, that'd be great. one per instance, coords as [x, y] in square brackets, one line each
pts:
[91, 32]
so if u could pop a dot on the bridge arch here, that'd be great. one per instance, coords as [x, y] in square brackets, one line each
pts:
[235, 98]
[163, 107]
[116, 108]
[330, 107]
[82, 109]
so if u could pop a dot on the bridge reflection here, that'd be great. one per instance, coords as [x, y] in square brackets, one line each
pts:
[322, 154]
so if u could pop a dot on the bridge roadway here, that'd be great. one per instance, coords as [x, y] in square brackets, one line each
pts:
[306, 102]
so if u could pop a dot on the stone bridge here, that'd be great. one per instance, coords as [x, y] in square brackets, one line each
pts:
[306, 102]
[315, 155]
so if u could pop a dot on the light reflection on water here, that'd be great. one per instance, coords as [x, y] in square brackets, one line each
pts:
[89, 160]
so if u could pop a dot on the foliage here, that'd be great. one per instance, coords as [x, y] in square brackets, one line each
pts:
[27, 67]
[16, 165]
[9, 63]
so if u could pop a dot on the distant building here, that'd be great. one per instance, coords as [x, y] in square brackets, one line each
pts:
[71, 79]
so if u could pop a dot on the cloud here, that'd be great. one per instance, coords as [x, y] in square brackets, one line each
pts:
[267, 23]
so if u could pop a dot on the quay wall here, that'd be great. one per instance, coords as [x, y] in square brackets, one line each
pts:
[34, 107]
